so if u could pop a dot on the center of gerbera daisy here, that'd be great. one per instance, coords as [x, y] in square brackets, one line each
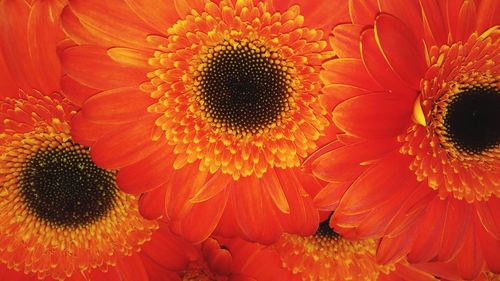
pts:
[325, 231]
[64, 187]
[472, 120]
[243, 87]
[328, 256]
[196, 275]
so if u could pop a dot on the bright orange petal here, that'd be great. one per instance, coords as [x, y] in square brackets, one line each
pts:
[91, 66]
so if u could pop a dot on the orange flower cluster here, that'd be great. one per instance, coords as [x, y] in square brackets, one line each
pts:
[240, 140]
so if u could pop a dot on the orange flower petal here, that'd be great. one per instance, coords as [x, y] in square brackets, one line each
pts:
[367, 116]
[157, 13]
[143, 175]
[470, 260]
[150, 207]
[378, 67]
[345, 40]
[91, 66]
[340, 71]
[74, 91]
[343, 164]
[117, 26]
[202, 219]
[363, 12]
[401, 48]
[132, 268]
[81, 127]
[120, 105]
[138, 136]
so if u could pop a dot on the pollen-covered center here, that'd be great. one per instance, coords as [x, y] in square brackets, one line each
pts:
[472, 120]
[64, 187]
[243, 87]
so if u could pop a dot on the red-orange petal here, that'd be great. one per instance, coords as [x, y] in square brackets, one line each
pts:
[119, 105]
[158, 14]
[254, 212]
[378, 67]
[401, 48]
[348, 71]
[377, 115]
[132, 268]
[303, 218]
[118, 26]
[375, 185]
[345, 40]
[343, 164]
[14, 42]
[87, 132]
[152, 203]
[169, 250]
[203, 218]
[44, 32]
[76, 92]
[469, 258]
[137, 146]
[91, 66]
[143, 175]
[488, 14]
[363, 11]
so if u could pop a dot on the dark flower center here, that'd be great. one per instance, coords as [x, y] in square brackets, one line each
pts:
[325, 231]
[244, 88]
[472, 119]
[64, 187]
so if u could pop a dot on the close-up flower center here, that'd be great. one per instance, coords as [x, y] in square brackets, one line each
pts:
[456, 144]
[243, 86]
[61, 212]
[239, 93]
[64, 187]
[472, 120]
[328, 256]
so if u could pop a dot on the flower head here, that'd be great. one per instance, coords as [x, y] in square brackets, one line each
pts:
[62, 217]
[211, 103]
[324, 255]
[418, 87]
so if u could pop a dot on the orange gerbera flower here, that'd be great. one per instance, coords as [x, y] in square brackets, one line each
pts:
[322, 256]
[418, 165]
[61, 216]
[201, 103]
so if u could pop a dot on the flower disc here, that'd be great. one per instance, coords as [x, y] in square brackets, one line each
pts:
[59, 212]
